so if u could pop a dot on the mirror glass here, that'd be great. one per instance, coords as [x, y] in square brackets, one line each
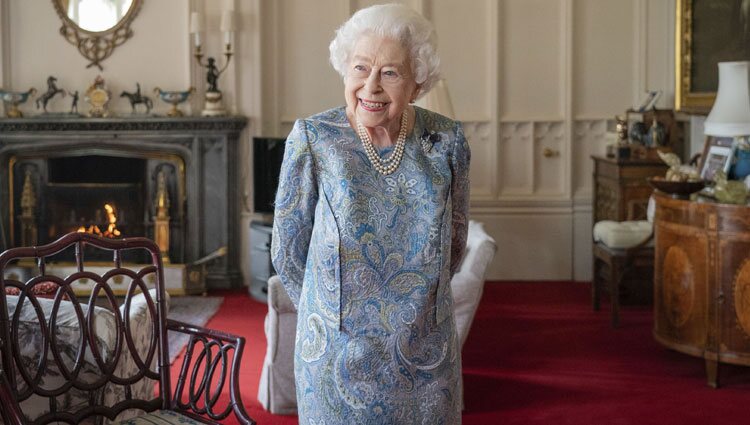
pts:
[96, 15]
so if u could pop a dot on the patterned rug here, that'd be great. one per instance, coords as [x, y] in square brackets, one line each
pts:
[194, 310]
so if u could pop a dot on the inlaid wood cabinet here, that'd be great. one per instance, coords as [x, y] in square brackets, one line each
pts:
[702, 281]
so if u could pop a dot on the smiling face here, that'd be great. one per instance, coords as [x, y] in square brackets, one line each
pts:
[379, 84]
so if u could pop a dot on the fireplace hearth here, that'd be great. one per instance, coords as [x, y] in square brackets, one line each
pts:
[172, 180]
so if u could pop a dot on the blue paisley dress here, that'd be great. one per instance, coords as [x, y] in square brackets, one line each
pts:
[367, 260]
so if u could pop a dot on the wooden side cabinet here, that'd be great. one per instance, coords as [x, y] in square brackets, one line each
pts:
[620, 187]
[702, 281]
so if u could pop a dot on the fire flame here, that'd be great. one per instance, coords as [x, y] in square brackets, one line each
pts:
[111, 231]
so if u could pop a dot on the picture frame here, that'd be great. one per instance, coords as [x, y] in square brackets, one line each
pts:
[706, 33]
[717, 156]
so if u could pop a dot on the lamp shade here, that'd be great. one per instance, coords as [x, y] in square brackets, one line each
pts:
[438, 100]
[730, 115]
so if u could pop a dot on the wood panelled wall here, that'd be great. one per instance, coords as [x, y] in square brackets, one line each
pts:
[525, 76]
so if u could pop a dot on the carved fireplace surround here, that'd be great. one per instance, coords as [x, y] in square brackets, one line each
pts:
[177, 173]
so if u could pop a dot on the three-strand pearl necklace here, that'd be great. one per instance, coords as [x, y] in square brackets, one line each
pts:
[388, 165]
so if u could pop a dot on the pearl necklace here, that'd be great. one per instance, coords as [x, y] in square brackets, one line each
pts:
[390, 164]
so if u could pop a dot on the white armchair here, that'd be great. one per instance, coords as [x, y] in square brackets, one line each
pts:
[276, 391]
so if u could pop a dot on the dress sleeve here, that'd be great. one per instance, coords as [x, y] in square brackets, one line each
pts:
[460, 197]
[294, 212]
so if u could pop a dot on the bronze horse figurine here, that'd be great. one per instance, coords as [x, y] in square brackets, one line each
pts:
[137, 97]
[52, 90]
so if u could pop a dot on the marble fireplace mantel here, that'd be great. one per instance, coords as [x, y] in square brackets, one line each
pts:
[205, 149]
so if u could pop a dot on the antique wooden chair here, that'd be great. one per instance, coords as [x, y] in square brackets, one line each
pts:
[613, 262]
[84, 362]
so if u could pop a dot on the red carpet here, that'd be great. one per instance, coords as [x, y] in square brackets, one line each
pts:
[537, 354]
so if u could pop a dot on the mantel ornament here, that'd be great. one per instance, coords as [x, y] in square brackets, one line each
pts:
[214, 106]
[94, 39]
[52, 91]
[174, 98]
[136, 98]
[13, 99]
[98, 96]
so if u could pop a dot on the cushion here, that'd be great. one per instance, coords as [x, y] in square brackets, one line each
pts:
[23, 274]
[68, 328]
[622, 234]
[141, 324]
[278, 297]
[467, 284]
[41, 290]
[68, 335]
[68, 339]
[160, 417]
[276, 389]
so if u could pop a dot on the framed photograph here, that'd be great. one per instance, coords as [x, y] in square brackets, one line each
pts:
[707, 32]
[717, 156]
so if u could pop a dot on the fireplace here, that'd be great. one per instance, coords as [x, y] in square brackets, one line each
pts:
[104, 195]
[112, 194]
[172, 180]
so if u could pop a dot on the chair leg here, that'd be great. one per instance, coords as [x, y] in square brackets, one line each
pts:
[595, 287]
[615, 275]
[712, 373]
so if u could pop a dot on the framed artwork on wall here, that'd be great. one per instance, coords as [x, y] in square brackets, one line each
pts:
[707, 32]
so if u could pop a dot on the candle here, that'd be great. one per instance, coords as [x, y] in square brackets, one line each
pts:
[196, 27]
[227, 26]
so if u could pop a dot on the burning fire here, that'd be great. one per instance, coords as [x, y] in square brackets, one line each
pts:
[111, 231]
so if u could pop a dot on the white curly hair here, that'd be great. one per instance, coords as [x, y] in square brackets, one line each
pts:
[397, 22]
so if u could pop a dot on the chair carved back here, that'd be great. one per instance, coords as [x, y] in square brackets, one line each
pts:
[83, 357]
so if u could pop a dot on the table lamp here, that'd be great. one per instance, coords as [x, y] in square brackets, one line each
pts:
[730, 115]
[438, 100]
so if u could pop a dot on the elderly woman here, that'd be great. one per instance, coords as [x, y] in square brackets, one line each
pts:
[370, 225]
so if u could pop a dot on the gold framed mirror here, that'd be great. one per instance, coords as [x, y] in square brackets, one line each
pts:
[96, 27]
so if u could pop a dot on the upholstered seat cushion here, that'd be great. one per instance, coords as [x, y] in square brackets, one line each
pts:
[42, 290]
[68, 339]
[67, 325]
[160, 417]
[276, 391]
[623, 234]
[467, 284]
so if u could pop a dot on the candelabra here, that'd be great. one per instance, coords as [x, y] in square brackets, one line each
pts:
[213, 98]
